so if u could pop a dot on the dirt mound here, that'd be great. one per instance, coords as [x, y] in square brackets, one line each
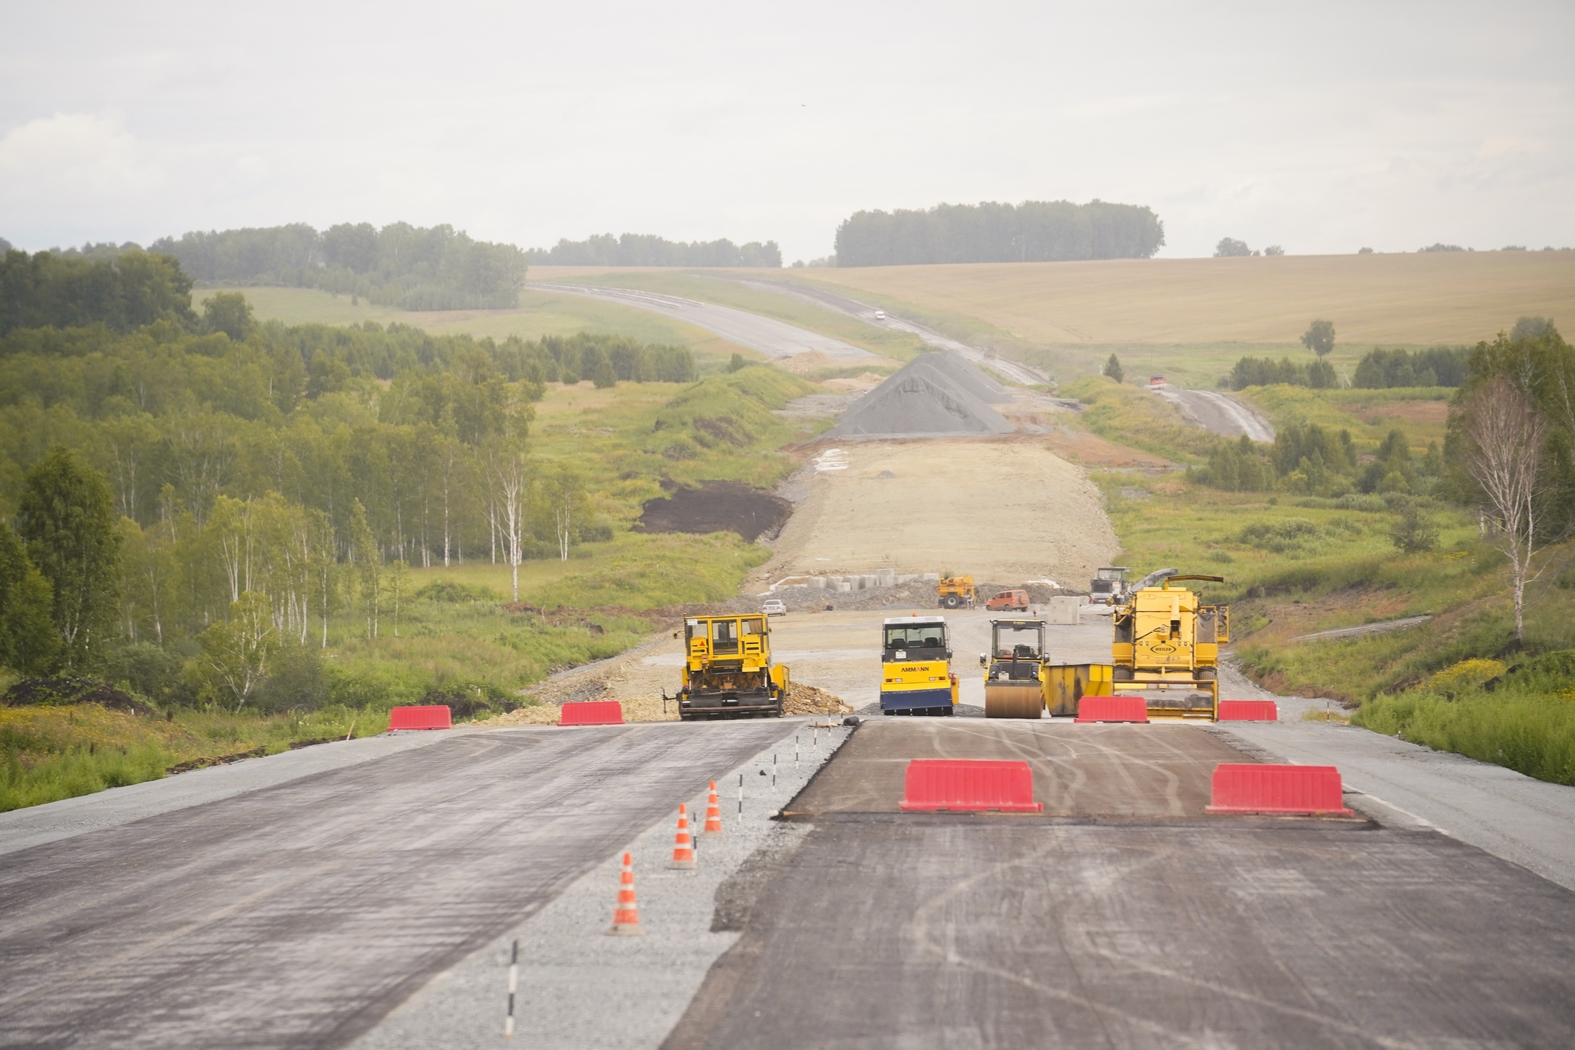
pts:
[58, 692]
[717, 506]
[807, 700]
[934, 395]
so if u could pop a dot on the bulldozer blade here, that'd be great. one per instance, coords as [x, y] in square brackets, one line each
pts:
[1013, 699]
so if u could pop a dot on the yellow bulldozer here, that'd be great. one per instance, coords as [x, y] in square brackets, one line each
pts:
[728, 671]
[1165, 647]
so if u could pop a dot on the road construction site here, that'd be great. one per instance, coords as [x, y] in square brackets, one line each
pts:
[429, 889]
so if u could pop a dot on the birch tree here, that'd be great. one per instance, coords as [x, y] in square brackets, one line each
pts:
[511, 474]
[568, 492]
[368, 565]
[1505, 438]
[237, 651]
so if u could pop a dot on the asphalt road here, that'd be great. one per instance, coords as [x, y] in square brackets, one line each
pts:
[1522, 820]
[937, 931]
[771, 337]
[299, 914]
[1116, 771]
[1015, 371]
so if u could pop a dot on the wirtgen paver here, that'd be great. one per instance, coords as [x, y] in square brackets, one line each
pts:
[1128, 924]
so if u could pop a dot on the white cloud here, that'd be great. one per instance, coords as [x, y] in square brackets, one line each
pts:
[75, 153]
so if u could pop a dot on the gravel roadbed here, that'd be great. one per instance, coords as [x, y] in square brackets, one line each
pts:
[580, 989]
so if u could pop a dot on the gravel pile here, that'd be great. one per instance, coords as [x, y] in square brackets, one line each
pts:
[965, 375]
[934, 395]
[808, 700]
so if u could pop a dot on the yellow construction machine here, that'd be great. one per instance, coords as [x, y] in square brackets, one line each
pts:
[954, 592]
[728, 671]
[1166, 647]
[1016, 674]
[915, 667]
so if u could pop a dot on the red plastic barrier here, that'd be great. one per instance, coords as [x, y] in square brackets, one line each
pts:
[966, 785]
[1112, 709]
[592, 713]
[433, 717]
[1249, 711]
[1245, 788]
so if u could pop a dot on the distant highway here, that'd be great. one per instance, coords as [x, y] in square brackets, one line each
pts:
[1015, 371]
[775, 339]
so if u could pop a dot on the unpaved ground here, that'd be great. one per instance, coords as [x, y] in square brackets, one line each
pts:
[1219, 413]
[1006, 510]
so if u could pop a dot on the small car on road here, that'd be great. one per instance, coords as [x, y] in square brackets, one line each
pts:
[773, 607]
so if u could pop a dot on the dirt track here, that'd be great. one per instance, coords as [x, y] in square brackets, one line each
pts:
[1004, 510]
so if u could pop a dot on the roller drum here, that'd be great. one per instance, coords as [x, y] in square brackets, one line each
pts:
[1019, 699]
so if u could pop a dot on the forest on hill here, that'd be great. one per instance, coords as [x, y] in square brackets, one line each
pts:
[413, 268]
[1034, 231]
[638, 249]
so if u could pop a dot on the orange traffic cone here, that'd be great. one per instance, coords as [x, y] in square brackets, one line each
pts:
[626, 917]
[713, 814]
[683, 845]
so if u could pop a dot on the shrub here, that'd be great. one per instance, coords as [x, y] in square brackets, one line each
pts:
[1414, 532]
[453, 593]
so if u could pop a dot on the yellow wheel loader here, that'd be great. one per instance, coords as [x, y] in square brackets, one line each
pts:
[728, 671]
[956, 592]
[1166, 647]
[1016, 674]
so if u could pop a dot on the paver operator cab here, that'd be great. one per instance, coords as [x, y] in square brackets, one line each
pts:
[915, 663]
[728, 671]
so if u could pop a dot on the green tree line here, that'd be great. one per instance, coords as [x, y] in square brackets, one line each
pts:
[294, 470]
[1312, 460]
[411, 267]
[1439, 366]
[1034, 231]
[637, 249]
[121, 291]
[1265, 371]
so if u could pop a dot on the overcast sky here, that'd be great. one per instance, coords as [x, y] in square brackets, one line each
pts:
[1320, 126]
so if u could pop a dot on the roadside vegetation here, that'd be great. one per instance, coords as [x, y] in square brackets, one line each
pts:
[245, 535]
[1366, 510]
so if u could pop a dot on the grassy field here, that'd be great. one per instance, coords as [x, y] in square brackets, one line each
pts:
[540, 313]
[1393, 300]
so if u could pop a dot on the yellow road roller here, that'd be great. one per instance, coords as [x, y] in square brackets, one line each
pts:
[1015, 671]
